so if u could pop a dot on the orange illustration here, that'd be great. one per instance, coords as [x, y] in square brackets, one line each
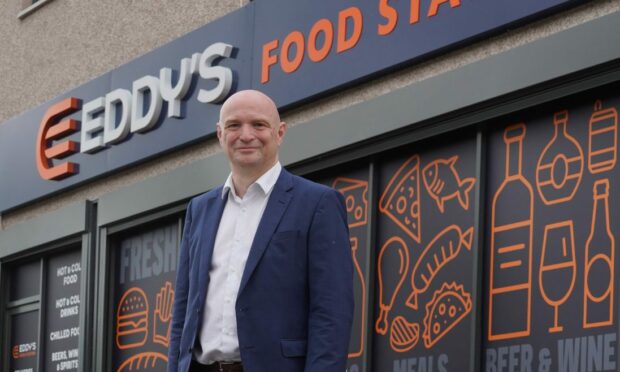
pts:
[598, 299]
[602, 138]
[403, 335]
[560, 166]
[163, 314]
[147, 361]
[132, 319]
[512, 214]
[442, 249]
[449, 305]
[401, 199]
[557, 274]
[442, 182]
[355, 196]
[393, 254]
[361, 305]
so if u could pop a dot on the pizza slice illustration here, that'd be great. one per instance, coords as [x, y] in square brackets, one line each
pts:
[400, 200]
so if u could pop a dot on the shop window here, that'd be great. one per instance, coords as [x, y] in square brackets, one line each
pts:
[144, 270]
[43, 313]
[30, 6]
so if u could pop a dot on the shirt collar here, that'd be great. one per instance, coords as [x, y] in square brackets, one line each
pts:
[265, 182]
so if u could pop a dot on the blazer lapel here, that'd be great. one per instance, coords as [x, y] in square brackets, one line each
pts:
[214, 209]
[277, 204]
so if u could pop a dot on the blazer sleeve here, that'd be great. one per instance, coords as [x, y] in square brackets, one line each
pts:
[330, 286]
[180, 295]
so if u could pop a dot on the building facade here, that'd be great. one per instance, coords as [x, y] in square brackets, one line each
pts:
[475, 144]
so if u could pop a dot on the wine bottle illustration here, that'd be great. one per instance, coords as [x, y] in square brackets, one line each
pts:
[560, 166]
[598, 299]
[511, 246]
[356, 347]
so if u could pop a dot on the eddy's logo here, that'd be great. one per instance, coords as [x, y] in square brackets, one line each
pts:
[24, 350]
[108, 120]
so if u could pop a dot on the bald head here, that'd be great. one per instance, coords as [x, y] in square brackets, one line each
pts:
[250, 132]
[251, 98]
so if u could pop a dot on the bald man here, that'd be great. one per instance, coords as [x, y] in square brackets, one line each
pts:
[264, 282]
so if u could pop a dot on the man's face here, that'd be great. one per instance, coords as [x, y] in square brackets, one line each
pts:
[250, 132]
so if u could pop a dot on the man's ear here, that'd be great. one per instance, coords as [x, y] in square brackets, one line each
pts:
[282, 128]
[218, 129]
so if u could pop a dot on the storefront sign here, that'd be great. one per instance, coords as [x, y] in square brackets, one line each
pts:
[305, 48]
[170, 97]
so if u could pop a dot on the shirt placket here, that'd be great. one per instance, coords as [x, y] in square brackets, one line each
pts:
[234, 270]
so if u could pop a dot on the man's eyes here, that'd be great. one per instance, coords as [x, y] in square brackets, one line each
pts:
[235, 126]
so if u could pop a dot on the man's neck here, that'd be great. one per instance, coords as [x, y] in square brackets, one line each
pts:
[242, 179]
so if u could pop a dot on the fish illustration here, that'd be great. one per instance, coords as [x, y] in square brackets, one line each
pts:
[443, 183]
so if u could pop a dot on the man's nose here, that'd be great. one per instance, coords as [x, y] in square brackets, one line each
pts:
[247, 133]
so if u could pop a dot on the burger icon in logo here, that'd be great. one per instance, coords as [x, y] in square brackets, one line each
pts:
[132, 319]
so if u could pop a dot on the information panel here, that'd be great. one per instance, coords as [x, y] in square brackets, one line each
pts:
[550, 261]
[24, 345]
[425, 237]
[353, 184]
[63, 312]
[144, 292]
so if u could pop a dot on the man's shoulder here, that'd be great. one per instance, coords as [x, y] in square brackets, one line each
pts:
[204, 197]
[307, 185]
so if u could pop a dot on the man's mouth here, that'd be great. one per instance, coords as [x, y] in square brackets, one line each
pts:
[246, 149]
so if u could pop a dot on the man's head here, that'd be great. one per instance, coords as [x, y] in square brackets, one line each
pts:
[250, 132]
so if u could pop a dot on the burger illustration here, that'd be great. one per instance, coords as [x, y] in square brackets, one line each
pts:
[132, 319]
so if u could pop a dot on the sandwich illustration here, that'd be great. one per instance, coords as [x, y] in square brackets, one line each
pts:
[132, 319]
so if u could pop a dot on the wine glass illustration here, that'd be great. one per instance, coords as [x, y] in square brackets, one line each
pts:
[558, 267]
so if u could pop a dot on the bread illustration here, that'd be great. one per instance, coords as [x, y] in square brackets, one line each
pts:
[147, 361]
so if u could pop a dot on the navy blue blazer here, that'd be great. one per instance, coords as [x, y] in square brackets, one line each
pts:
[295, 304]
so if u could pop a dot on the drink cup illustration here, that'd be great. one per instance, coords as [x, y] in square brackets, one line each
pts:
[602, 138]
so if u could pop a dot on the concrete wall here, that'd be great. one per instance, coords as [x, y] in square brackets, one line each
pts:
[45, 57]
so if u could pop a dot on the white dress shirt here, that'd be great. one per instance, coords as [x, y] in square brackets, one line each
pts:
[235, 234]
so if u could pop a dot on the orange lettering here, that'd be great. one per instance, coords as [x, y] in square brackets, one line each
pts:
[287, 64]
[390, 14]
[324, 26]
[50, 130]
[414, 15]
[432, 11]
[268, 60]
[355, 14]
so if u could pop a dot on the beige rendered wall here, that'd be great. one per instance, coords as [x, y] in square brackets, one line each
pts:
[39, 72]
